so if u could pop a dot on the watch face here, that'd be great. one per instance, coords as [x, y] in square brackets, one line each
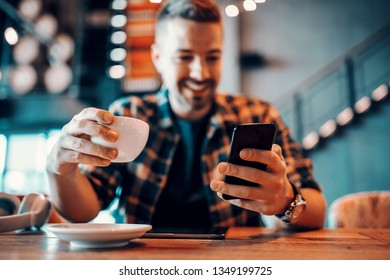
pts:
[297, 213]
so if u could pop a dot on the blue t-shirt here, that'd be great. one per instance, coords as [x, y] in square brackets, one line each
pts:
[183, 201]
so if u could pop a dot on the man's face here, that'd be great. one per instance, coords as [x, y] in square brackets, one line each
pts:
[188, 57]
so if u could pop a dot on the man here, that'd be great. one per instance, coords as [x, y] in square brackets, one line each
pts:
[176, 181]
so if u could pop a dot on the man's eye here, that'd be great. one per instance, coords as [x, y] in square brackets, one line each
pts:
[184, 58]
[213, 58]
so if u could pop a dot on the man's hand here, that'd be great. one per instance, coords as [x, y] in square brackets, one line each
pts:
[275, 191]
[74, 145]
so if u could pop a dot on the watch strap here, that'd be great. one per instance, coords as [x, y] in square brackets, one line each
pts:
[298, 201]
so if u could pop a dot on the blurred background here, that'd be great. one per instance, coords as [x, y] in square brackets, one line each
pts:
[324, 64]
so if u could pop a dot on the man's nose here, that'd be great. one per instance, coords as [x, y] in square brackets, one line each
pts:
[199, 69]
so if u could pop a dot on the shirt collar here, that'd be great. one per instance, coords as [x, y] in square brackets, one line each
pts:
[165, 113]
[221, 116]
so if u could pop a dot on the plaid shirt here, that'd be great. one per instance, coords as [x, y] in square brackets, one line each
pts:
[144, 179]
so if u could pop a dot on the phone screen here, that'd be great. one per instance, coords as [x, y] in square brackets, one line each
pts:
[257, 136]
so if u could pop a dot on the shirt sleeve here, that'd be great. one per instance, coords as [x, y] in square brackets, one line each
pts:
[299, 168]
[104, 180]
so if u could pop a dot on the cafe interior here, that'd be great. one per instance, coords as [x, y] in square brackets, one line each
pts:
[324, 64]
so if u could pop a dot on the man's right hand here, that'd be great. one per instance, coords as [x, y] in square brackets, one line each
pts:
[74, 145]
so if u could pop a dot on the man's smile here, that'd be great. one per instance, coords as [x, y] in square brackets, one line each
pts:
[197, 88]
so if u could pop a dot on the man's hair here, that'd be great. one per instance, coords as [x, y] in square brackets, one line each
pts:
[196, 10]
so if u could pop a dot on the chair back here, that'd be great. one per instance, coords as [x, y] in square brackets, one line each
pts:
[361, 210]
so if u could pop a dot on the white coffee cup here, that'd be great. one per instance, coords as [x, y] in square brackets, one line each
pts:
[132, 137]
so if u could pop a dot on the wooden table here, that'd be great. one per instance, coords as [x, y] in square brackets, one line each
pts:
[241, 243]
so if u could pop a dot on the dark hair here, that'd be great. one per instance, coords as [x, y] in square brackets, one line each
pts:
[196, 10]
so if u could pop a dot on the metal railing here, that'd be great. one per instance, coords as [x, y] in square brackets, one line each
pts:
[343, 88]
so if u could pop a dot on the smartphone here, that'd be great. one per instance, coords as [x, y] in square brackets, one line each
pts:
[254, 135]
[187, 233]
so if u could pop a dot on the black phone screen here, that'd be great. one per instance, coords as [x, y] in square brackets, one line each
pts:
[257, 136]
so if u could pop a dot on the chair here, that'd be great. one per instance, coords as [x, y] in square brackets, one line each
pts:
[361, 210]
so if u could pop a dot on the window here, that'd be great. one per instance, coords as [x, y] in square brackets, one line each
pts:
[3, 148]
[23, 161]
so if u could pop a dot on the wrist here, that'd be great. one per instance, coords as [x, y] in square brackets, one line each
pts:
[57, 169]
[289, 195]
[295, 207]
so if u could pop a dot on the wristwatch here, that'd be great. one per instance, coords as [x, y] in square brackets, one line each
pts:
[295, 209]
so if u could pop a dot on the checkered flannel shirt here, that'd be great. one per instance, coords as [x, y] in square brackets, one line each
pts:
[144, 179]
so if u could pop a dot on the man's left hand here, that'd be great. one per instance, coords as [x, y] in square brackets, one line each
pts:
[274, 193]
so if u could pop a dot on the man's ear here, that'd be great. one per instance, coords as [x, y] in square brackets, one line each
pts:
[155, 53]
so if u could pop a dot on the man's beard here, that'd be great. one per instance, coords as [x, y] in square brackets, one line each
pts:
[190, 87]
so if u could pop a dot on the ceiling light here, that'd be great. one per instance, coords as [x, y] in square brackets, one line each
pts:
[232, 11]
[63, 48]
[118, 21]
[117, 71]
[118, 54]
[22, 79]
[47, 25]
[27, 50]
[119, 4]
[118, 37]
[30, 8]
[249, 5]
[11, 36]
[58, 78]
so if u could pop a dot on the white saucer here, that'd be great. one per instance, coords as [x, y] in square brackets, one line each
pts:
[98, 235]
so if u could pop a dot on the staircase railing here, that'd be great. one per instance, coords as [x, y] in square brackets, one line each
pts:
[346, 87]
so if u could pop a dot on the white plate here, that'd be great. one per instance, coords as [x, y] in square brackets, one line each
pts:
[98, 235]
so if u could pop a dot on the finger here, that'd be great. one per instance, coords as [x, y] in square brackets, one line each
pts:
[243, 192]
[90, 128]
[278, 150]
[95, 114]
[253, 205]
[269, 158]
[70, 156]
[87, 147]
[247, 173]
[260, 206]
[232, 201]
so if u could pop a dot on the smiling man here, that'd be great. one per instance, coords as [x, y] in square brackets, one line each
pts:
[187, 54]
[176, 180]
